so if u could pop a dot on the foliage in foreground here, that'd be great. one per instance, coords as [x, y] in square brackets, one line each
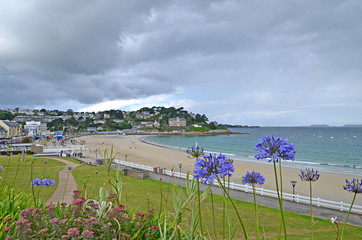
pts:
[84, 219]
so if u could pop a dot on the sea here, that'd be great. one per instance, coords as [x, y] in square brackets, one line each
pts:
[330, 149]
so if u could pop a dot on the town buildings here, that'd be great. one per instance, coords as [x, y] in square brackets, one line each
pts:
[12, 128]
[36, 128]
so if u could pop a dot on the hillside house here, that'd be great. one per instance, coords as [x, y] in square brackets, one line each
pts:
[177, 122]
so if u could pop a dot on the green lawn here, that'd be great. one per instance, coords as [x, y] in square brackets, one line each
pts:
[144, 194]
[17, 174]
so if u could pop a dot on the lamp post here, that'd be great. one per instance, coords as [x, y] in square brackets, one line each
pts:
[180, 166]
[293, 184]
[126, 159]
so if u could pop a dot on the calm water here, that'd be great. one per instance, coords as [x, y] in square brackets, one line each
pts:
[334, 149]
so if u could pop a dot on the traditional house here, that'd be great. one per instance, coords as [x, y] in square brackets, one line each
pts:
[177, 122]
[3, 132]
[12, 128]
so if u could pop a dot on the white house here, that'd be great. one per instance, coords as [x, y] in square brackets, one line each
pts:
[36, 128]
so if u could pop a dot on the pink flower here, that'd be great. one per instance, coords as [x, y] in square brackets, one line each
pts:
[7, 229]
[72, 232]
[64, 220]
[8, 219]
[87, 233]
[54, 220]
[25, 212]
[77, 192]
[49, 205]
[21, 221]
[79, 201]
[44, 230]
[90, 220]
[154, 228]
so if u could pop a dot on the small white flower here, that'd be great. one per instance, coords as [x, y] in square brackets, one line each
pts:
[333, 219]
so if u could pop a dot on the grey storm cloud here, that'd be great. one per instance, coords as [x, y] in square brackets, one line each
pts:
[94, 51]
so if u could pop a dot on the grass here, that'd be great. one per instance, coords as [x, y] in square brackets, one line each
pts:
[17, 174]
[143, 194]
[44, 143]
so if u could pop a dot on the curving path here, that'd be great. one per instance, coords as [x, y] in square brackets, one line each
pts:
[69, 186]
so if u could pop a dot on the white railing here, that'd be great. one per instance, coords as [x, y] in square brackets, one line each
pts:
[260, 191]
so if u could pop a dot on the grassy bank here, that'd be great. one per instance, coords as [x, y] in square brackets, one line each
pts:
[144, 194]
[17, 173]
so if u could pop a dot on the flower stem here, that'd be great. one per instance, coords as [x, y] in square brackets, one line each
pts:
[311, 209]
[256, 213]
[213, 213]
[236, 211]
[31, 179]
[16, 174]
[280, 203]
[223, 213]
[198, 190]
[345, 222]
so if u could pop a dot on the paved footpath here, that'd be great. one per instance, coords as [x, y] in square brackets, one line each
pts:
[66, 184]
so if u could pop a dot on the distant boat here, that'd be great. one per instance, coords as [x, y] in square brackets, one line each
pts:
[332, 137]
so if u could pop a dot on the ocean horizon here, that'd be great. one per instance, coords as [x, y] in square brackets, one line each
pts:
[330, 149]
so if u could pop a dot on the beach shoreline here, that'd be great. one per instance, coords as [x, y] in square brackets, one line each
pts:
[133, 148]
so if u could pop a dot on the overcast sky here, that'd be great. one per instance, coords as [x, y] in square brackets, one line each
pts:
[268, 63]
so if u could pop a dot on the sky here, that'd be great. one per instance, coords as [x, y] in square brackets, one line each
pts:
[249, 62]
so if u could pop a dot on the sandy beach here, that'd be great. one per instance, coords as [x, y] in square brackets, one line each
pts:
[329, 186]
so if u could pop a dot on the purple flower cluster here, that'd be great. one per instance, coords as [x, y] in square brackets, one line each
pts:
[98, 161]
[309, 175]
[353, 186]
[195, 152]
[211, 167]
[1, 168]
[274, 148]
[253, 178]
[43, 182]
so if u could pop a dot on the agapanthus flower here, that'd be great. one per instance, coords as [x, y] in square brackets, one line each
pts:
[48, 182]
[354, 186]
[36, 182]
[43, 182]
[195, 152]
[211, 167]
[274, 148]
[252, 178]
[1, 168]
[309, 175]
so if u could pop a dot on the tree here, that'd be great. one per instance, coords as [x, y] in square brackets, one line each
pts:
[70, 112]
[56, 124]
[6, 115]
[71, 122]
[212, 126]
[26, 140]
